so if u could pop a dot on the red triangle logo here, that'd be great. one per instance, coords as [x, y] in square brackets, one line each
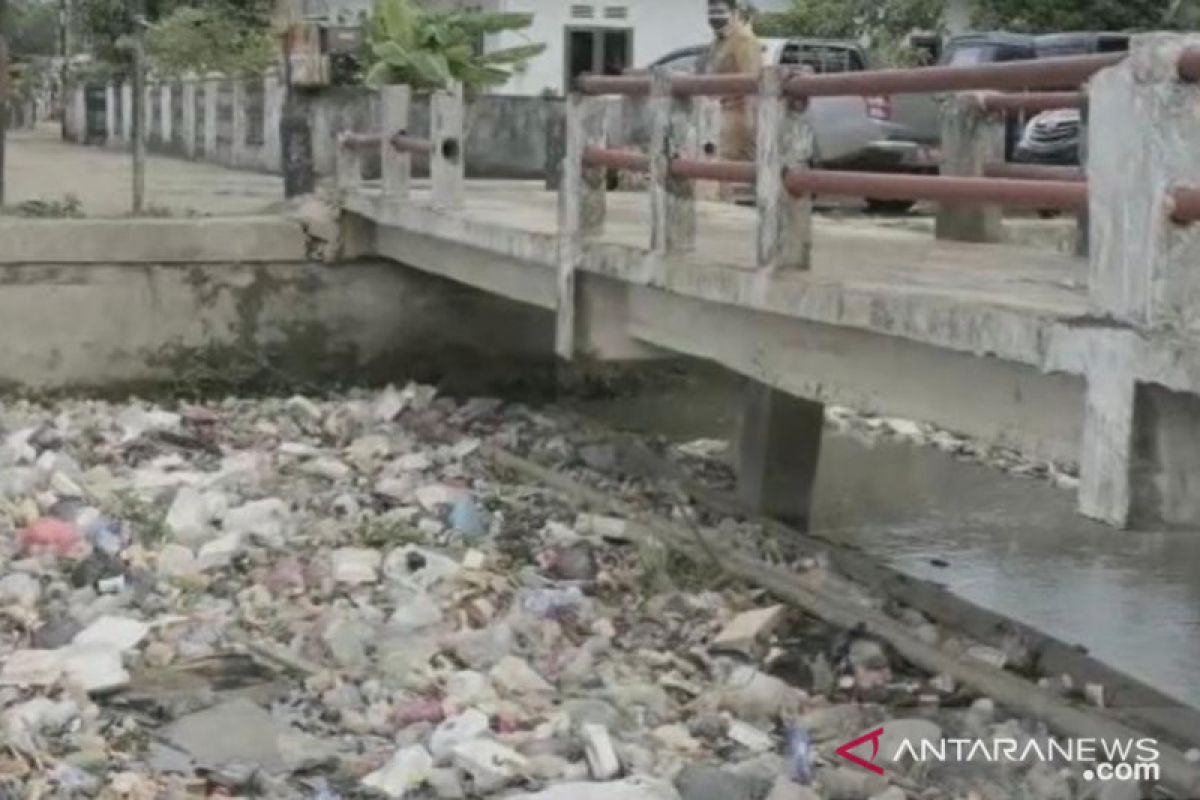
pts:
[873, 738]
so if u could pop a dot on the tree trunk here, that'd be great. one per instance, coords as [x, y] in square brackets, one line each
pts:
[4, 92]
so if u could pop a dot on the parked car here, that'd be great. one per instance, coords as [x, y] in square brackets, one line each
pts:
[1053, 137]
[851, 133]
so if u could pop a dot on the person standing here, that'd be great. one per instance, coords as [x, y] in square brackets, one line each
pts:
[735, 50]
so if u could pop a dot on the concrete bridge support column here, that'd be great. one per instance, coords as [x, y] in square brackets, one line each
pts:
[447, 124]
[1140, 459]
[971, 137]
[779, 445]
[672, 200]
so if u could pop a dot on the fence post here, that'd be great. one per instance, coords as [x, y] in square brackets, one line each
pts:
[785, 141]
[80, 106]
[971, 137]
[110, 113]
[447, 161]
[395, 167]
[581, 207]
[672, 200]
[239, 147]
[1140, 442]
[212, 90]
[127, 111]
[166, 123]
[272, 159]
[188, 101]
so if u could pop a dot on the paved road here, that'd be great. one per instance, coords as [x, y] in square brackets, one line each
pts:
[42, 167]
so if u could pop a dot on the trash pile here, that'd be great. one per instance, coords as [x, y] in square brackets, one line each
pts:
[343, 598]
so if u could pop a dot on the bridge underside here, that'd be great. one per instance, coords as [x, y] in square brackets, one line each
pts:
[993, 341]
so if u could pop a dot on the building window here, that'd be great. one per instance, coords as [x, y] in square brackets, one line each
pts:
[599, 51]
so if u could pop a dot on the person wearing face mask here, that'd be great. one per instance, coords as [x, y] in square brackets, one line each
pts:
[735, 50]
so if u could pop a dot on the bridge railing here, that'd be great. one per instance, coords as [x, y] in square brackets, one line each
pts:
[975, 181]
[445, 146]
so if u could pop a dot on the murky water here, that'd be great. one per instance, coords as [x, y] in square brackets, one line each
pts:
[1013, 545]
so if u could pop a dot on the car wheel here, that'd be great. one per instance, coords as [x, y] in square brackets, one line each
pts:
[876, 206]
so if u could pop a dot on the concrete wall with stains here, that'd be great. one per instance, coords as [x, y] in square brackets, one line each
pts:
[71, 319]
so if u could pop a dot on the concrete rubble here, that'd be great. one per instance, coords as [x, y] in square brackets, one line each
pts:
[342, 597]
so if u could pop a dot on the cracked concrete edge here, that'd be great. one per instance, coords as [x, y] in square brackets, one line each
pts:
[202, 240]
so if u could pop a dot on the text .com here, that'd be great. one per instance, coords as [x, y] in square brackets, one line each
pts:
[1099, 759]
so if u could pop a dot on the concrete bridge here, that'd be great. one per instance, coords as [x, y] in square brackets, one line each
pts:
[1088, 359]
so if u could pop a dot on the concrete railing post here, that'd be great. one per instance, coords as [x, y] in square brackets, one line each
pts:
[127, 110]
[581, 207]
[395, 103]
[707, 111]
[672, 200]
[971, 137]
[188, 100]
[348, 162]
[447, 161]
[785, 141]
[1141, 441]
[212, 91]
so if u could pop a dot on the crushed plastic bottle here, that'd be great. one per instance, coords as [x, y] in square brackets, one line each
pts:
[466, 518]
[799, 749]
[553, 603]
[106, 536]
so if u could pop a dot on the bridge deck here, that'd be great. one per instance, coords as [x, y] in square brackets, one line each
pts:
[994, 299]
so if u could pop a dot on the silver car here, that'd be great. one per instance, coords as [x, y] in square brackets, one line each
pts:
[851, 133]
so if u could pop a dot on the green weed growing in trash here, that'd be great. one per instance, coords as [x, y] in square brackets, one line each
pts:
[144, 519]
[381, 532]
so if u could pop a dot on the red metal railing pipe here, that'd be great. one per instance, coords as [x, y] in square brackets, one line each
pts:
[628, 160]
[723, 171]
[403, 143]
[1065, 195]
[1189, 65]
[1183, 204]
[714, 85]
[1032, 172]
[630, 85]
[359, 140]
[1046, 73]
[1031, 101]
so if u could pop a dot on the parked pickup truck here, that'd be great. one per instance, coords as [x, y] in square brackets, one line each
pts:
[851, 133]
[1053, 137]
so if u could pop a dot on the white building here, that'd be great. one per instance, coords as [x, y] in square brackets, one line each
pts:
[593, 36]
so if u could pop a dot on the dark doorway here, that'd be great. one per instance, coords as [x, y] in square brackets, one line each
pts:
[599, 51]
